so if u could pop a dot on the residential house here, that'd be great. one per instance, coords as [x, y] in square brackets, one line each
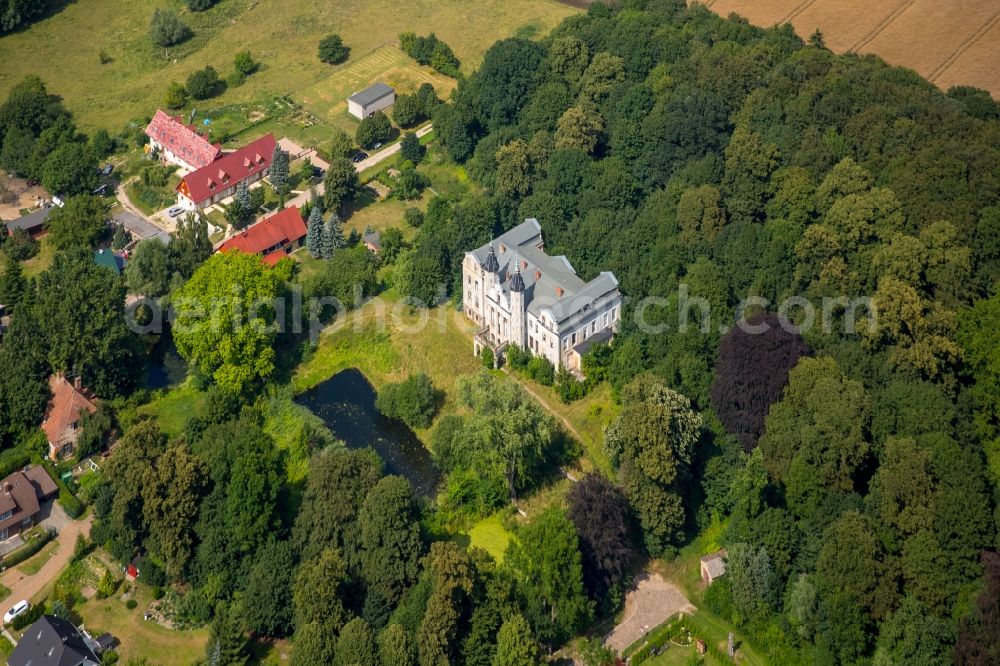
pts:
[33, 223]
[519, 295]
[21, 496]
[211, 184]
[373, 98]
[52, 641]
[272, 238]
[180, 144]
[69, 401]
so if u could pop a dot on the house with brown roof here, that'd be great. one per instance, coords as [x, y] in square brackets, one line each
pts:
[68, 403]
[21, 496]
[273, 238]
[211, 184]
[180, 144]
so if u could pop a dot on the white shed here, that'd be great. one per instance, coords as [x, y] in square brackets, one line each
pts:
[373, 98]
[713, 566]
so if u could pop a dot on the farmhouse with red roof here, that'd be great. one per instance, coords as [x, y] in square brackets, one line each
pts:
[272, 238]
[211, 184]
[180, 144]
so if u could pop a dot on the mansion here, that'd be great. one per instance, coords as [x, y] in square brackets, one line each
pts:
[521, 296]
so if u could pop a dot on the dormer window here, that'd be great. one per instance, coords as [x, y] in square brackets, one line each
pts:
[503, 248]
[257, 158]
[211, 184]
[246, 162]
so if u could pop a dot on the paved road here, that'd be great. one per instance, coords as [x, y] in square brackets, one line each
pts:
[650, 603]
[299, 200]
[28, 587]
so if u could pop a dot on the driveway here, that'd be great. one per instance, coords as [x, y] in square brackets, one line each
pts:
[649, 604]
[29, 587]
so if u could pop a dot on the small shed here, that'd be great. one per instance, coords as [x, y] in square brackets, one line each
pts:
[713, 565]
[373, 98]
[373, 241]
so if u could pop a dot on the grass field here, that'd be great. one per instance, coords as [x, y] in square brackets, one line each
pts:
[949, 43]
[138, 637]
[282, 35]
[327, 99]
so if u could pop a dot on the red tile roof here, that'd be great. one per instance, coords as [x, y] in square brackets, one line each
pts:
[64, 410]
[273, 258]
[182, 140]
[282, 228]
[228, 170]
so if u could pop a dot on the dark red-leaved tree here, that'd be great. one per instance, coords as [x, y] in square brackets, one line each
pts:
[978, 641]
[603, 520]
[751, 372]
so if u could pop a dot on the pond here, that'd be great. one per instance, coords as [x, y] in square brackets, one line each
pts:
[346, 403]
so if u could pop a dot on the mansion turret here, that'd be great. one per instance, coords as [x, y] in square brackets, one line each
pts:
[519, 295]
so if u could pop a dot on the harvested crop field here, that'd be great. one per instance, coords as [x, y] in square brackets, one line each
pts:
[951, 42]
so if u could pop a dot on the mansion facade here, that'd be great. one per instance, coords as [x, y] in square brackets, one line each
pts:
[521, 296]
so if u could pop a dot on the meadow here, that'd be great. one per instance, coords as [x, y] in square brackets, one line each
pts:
[67, 49]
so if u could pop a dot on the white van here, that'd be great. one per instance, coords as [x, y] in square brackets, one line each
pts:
[19, 608]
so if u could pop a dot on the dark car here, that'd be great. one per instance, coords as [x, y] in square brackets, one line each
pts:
[106, 171]
[360, 156]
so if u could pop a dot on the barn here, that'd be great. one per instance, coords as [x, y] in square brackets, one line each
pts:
[373, 98]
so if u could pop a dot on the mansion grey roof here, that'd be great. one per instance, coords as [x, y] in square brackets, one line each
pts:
[371, 94]
[548, 282]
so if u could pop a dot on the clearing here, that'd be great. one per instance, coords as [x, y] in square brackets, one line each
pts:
[281, 34]
[949, 43]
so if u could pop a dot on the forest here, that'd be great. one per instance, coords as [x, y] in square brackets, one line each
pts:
[851, 469]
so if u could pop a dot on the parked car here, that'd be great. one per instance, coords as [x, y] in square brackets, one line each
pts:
[175, 211]
[106, 171]
[19, 608]
[359, 156]
[377, 146]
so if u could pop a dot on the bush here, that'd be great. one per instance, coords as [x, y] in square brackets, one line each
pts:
[157, 593]
[69, 502]
[487, 358]
[541, 370]
[413, 217]
[13, 460]
[27, 550]
[31, 616]
[374, 129]
[20, 246]
[166, 29]
[200, 5]
[204, 83]
[244, 63]
[151, 574]
[413, 401]
[332, 50]
[430, 51]
[107, 585]
[131, 604]
[410, 148]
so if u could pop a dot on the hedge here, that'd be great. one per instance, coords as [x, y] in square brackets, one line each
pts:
[73, 506]
[13, 460]
[28, 617]
[27, 550]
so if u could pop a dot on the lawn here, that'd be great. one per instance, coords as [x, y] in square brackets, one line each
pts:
[490, 535]
[327, 99]
[173, 408]
[138, 637]
[4, 591]
[281, 34]
[34, 564]
[38, 263]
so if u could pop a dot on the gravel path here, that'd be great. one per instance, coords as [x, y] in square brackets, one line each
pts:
[649, 604]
